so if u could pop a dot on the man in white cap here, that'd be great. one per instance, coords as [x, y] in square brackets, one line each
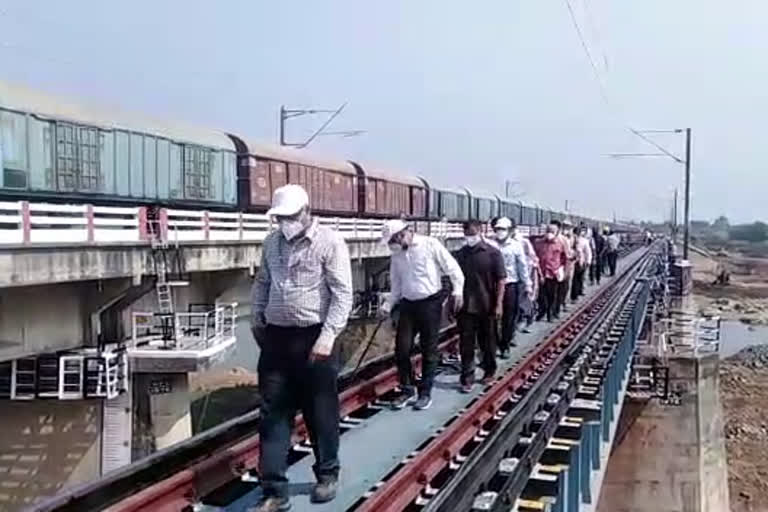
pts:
[415, 271]
[518, 280]
[302, 297]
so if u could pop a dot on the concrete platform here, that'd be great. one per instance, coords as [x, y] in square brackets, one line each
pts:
[372, 449]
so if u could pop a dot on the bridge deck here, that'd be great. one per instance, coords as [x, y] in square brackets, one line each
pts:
[373, 448]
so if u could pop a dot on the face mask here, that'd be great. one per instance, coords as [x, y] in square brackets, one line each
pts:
[550, 236]
[472, 240]
[502, 234]
[291, 228]
[395, 248]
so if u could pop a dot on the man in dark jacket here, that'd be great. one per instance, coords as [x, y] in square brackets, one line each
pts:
[596, 268]
[484, 278]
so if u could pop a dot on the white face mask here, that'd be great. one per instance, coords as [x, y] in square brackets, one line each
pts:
[291, 228]
[472, 240]
[502, 234]
[395, 248]
[550, 236]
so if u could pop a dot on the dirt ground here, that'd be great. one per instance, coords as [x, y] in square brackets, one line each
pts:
[745, 299]
[744, 376]
[744, 395]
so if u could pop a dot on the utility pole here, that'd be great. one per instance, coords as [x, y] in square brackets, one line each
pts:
[687, 207]
[566, 206]
[674, 217]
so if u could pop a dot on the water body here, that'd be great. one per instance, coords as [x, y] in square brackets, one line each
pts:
[735, 336]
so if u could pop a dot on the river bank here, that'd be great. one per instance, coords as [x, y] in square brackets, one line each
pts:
[743, 305]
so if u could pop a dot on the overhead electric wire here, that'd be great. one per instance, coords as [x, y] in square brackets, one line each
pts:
[604, 93]
[599, 37]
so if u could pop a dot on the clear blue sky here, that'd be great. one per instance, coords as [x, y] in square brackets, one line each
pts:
[464, 93]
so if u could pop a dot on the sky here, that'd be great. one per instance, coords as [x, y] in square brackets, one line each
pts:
[463, 93]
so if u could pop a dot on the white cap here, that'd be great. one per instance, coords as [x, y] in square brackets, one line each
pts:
[503, 223]
[288, 200]
[392, 227]
[567, 222]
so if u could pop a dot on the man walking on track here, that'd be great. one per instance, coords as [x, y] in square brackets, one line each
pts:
[552, 260]
[518, 281]
[484, 284]
[415, 271]
[302, 297]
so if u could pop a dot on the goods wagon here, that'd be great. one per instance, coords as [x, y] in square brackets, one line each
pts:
[510, 209]
[484, 206]
[387, 194]
[56, 150]
[454, 204]
[529, 216]
[332, 185]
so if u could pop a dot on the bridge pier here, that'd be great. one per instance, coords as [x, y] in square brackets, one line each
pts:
[161, 412]
[672, 454]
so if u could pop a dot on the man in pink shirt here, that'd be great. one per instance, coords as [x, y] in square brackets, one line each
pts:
[552, 261]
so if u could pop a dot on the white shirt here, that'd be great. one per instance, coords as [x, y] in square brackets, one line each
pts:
[583, 251]
[613, 241]
[515, 261]
[415, 273]
[530, 254]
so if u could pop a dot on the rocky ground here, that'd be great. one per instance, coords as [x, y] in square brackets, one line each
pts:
[744, 395]
[744, 376]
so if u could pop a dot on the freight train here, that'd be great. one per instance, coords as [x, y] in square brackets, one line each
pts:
[58, 151]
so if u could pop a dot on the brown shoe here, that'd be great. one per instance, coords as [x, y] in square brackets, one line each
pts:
[271, 504]
[324, 490]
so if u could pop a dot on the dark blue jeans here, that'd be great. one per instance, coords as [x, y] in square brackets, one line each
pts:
[289, 382]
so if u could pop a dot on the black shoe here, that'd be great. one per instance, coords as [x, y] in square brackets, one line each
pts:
[466, 388]
[271, 504]
[423, 402]
[406, 397]
[324, 490]
[504, 353]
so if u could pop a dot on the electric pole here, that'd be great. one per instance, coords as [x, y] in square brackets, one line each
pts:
[687, 207]
[674, 216]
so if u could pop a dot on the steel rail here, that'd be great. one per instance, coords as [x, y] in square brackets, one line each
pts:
[174, 478]
[482, 465]
[405, 485]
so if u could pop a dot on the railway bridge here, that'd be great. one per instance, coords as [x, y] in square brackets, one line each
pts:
[104, 312]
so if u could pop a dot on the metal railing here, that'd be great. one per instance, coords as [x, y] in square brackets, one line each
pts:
[25, 223]
[183, 331]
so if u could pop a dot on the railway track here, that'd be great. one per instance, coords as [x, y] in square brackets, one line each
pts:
[450, 468]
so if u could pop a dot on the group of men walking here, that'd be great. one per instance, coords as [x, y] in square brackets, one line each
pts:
[302, 296]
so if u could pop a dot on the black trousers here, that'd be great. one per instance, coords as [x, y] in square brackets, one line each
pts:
[612, 257]
[510, 314]
[549, 306]
[422, 317]
[562, 291]
[477, 330]
[288, 382]
[596, 270]
[577, 287]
